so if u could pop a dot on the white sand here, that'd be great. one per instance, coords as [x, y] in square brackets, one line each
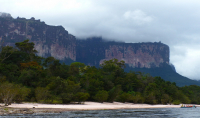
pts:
[91, 106]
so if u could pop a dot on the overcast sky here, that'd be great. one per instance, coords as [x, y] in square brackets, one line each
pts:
[173, 22]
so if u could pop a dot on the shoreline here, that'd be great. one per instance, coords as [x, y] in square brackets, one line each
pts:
[30, 108]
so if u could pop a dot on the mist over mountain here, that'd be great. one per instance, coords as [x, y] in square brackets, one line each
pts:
[149, 57]
[2, 14]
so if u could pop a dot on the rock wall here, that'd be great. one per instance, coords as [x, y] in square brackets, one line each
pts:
[57, 42]
[49, 40]
[140, 55]
[2, 14]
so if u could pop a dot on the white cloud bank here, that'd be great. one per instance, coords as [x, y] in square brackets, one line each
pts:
[173, 22]
[138, 17]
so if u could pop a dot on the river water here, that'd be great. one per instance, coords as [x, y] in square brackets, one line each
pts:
[121, 113]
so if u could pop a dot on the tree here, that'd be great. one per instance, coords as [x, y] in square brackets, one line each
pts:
[57, 85]
[65, 89]
[30, 65]
[150, 98]
[150, 93]
[27, 48]
[113, 67]
[138, 98]
[125, 97]
[29, 78]
[101, 96]
[192, 92]
[81, 97]
[22, 93]
[131, 82]
[10, 70]
[165, 99]
[54, 68]
[112, 64]
[76, 68]
[41, 94]
[114, 93]
[48, 62]
[6, 52]
[69, 91]
[7, 92]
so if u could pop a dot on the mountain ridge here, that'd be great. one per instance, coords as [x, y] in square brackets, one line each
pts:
[57, 42]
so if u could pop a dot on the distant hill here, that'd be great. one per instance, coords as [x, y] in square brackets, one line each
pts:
[149, 58]
[55, 41]
[167, 73]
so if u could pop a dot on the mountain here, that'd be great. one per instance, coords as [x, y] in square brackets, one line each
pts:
[5, 15]
[167, 73]
[93, 51]
[49, 40]
[152, 58]
[148, 58]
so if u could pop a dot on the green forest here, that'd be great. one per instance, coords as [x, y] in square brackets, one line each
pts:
[26, 77]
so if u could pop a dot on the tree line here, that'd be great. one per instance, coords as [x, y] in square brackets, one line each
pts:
[26, 77]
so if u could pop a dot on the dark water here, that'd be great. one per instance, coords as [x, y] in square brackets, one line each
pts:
[131, 113]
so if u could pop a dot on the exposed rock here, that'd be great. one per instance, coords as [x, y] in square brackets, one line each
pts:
[173, 67]
[2, 14]
[152, 58]
[142, 55]
[57, 42]
[49, 40]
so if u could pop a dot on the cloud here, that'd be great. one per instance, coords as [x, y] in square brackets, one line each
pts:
[187, 64]
[173, 22]
[137, 16]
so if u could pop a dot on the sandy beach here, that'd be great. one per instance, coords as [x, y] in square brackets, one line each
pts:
[56, 108]
[90, 106]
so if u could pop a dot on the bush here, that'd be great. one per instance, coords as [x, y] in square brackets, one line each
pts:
[150, 99]
[101, 96]
[125, 97]
[138, 98]
[81, 97]
[176, 102]
[10, 92]
[41, 94]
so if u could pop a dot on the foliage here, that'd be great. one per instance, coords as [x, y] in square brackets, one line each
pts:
[22, 93]
[6, 52]
[25, 46]
[114, 93]
[125, 97]
[176, 102]
[41, 94]
[10, 92]
[101, 96]
[81, 97]
[7, 92]
[30, 65]
[24, 76]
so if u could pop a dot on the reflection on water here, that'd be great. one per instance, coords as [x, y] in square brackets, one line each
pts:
[146, 113]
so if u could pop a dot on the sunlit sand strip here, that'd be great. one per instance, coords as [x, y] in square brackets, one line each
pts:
[91, 106]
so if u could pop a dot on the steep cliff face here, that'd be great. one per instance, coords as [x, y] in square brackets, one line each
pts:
[152, 58]
[137, 55]
[57, 42]
[143, 55]
[49, 40]
[5, 15]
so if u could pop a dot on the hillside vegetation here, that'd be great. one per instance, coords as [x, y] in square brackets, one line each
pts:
[24, 76]
[167, 73]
